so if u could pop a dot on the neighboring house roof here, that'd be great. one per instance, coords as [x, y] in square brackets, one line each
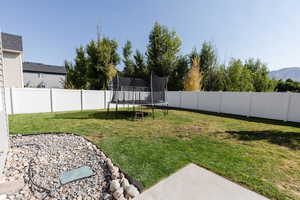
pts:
[42, 68]
[12, 42]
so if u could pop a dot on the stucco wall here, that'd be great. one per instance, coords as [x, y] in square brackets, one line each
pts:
[3, 133]
[13, 72]
[50, 80]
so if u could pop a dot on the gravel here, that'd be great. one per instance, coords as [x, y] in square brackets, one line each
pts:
[39, 160]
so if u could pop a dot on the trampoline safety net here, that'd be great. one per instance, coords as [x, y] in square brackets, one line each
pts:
[136, 91]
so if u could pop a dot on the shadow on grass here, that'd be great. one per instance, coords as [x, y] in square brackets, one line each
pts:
[113, 115]
[287, 139]
[249, 119]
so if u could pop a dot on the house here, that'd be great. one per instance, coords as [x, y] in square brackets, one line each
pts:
[13, 60]
[39, 75]
[18, 74]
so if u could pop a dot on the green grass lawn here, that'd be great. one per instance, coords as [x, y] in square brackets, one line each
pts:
[263, 155]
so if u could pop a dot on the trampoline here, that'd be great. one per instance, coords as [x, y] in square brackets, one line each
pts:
[136, 93]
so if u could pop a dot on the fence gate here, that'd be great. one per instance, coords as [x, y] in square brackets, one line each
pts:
[3, 114]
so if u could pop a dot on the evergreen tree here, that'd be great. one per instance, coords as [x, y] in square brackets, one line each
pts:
[208, 60]
[139, 66]
[129, 66]
[162, 50]
[80, 69]
[77, 73]
[176, 79]
[219, 78]
[70, 77]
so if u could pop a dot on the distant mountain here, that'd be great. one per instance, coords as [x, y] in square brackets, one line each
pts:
[286, 73]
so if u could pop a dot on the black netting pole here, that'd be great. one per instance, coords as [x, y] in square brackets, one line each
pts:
[151, 86]
[166, 99]
[117, 92]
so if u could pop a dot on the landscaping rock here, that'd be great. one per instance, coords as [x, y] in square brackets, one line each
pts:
[114, 185]
[39, 160]
[107, 196]
[125, 183]
[132, 191]
[118, 194]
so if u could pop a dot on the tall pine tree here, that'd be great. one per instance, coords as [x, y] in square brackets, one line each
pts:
[140, 67]
[162, 50]
[128, 63]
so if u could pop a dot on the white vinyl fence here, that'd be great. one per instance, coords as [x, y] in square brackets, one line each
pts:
[37, 100]
[279, 106]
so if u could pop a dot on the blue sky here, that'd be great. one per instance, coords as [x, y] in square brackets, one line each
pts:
[51, 30]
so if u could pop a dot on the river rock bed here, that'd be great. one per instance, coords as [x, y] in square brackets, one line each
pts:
[39, 160]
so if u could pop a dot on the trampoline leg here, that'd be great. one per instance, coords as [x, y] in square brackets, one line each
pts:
[166, 110]
[116, 110]
[107, 111]
[153, 112]
[142, 113]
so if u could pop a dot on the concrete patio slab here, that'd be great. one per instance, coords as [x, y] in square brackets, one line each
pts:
[195, 183]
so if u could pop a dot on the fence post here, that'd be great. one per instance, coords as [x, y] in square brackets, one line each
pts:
[104, 103]
[250, 105]
[81, 100]
[11, 101]
[180, 99]
[288, 106]
[198, 98]
[220, 102]
[51, 99]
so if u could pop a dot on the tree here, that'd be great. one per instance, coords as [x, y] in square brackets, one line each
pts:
[70, 77]
[139, 66]
[194, 53]
[176, 79]
[287, 86]
[259, 72]
[162, 50]
[77, 73]
[193, 79]
[219, 78]
[208, 60]
[129, 66]
[239, 77]
[80, 69]
[103, 59]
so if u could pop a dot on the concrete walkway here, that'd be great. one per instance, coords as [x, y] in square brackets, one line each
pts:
[193, 182]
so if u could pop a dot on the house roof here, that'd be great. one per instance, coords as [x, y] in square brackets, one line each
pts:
[12, 42]
[42, 68]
